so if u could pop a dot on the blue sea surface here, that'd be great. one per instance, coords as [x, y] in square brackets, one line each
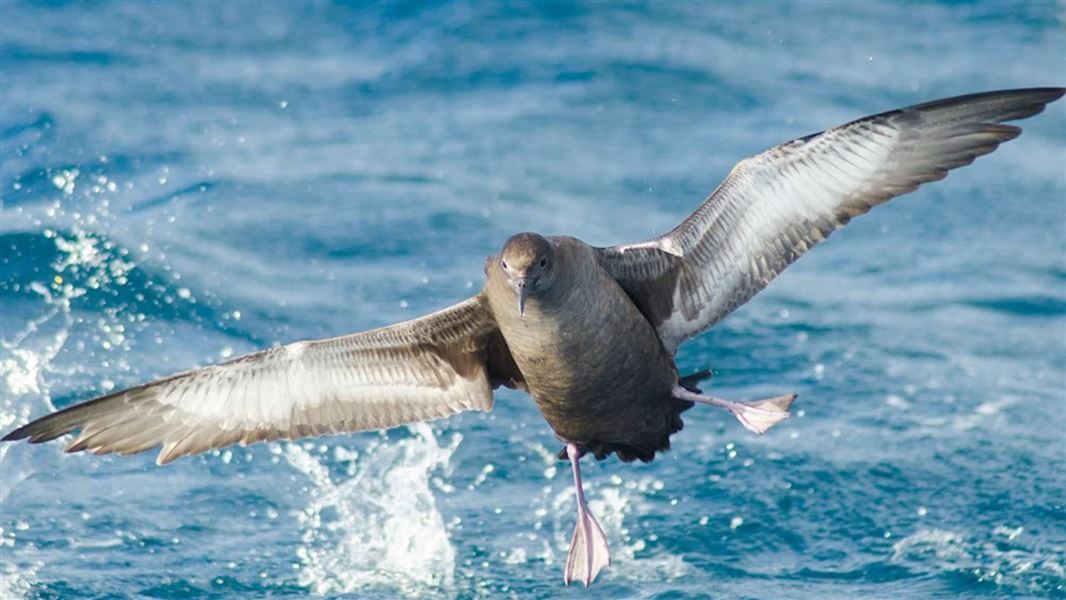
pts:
[185, 182]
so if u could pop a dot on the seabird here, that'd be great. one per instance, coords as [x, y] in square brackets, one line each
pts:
[590, 333]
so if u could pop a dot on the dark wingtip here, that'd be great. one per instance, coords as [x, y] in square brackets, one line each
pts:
[30, 434]
[1054, 93]
[44, 429]
[1051, 93]
[19, 434]
[61, 422]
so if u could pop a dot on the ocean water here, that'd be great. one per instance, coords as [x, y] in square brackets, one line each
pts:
[186, 182]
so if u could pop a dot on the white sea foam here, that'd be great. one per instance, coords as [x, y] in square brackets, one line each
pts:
[1001, 557]
[26, 365]
[25, 359]
[17, 577]
[379, 524]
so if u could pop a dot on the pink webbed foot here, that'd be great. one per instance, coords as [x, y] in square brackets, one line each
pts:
[588, 547]
[758, 415]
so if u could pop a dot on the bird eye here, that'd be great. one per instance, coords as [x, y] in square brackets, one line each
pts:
[543, 262]
[503, 263]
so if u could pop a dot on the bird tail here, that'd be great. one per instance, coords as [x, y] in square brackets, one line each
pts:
[691, 381]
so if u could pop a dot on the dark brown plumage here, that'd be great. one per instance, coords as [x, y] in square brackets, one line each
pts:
[589, 332]
[589, 358]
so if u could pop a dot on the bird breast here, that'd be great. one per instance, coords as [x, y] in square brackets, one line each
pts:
[587, 354]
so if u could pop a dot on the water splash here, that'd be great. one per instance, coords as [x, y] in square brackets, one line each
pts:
[377, 526]
[24, 359]
[27, 362]
[83, 262]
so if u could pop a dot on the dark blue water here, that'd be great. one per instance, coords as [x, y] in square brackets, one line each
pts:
[186, 182]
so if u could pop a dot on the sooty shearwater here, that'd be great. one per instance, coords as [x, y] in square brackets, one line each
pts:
[590, 333]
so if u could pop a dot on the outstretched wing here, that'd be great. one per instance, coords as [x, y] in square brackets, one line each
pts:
[428, 368]
[774, 207]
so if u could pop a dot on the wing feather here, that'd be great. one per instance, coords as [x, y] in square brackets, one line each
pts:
[774, 207]
[424, 369]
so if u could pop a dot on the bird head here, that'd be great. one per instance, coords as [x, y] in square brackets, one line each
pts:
[528, 262]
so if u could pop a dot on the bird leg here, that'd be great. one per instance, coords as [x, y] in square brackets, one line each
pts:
[757, 416]
[588, 548]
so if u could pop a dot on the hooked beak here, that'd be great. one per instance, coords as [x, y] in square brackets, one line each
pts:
[521, 286]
